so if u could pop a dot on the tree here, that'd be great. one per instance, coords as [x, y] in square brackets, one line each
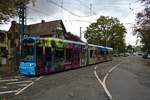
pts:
[8, 9]
[107, 31]
[130, 48]
[142, 28]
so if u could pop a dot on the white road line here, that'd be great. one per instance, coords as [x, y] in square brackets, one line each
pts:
[8, 80]
[18, 82]
[39, 78]
[3, 87]
[19, 76]
[103, 82]
[23, 85]
[6, 92]
[28, 86]
[104, 86]
[33, 78]
[98, 77]
[24, 88]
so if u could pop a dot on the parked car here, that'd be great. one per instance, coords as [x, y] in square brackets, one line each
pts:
[140, 53]
[116, 55]
[146, 55]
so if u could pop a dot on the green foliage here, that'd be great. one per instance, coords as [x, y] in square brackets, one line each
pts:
[142, 28]
[8, 9]
[106, 31]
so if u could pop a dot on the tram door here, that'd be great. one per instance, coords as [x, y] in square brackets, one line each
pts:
[58, 59]
[48, 60]
[83, 56]
[40, 60]
[76, 57]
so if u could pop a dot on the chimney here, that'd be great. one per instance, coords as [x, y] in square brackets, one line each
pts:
[42, 21]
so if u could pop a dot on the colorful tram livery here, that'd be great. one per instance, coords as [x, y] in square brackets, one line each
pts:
[48, 55]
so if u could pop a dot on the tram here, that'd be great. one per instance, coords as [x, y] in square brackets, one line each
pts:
[41, 55]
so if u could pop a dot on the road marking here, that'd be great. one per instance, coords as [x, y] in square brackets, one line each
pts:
[18, 82]
[95, 68]
[20, 91]
[103, 82]
[19, 76]
[6, 92]
[23, 85]
[3, 87]
[39, 78]
[8, 80]
[104, 86]
[24, 88]
[33, 78]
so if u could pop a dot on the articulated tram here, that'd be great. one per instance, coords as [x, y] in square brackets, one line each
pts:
[49, 55]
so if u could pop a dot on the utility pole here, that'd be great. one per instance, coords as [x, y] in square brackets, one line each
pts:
[21, 9]
[90, 9]
[22, 17]
[22, 20]
[80, 32]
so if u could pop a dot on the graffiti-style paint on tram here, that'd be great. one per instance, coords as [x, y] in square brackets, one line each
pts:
[48, 55]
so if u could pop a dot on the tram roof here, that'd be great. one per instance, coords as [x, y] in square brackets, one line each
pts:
[96, 46]
[109, 48]
[64, 41]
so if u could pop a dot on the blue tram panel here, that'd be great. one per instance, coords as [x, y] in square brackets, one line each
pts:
[28, 54]
[27, 68]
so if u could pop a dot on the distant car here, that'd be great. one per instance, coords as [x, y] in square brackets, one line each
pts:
[134, 54]
[115, 55]
[140, 54]
[121, 54]
[146, 55]
[127, 54]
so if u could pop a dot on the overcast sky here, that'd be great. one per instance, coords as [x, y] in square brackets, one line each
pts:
[79, 13]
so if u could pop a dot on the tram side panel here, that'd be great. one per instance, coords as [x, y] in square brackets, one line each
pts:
[83, 56]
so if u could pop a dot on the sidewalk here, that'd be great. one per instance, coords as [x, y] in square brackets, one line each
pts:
[6, 71]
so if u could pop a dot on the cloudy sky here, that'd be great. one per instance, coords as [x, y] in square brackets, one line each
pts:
[80, 13]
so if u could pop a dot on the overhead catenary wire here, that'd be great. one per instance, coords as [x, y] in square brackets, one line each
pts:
[72, 13]
[41, 12]
[80, 21]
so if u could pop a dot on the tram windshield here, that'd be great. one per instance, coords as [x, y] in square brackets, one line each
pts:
[28, 50]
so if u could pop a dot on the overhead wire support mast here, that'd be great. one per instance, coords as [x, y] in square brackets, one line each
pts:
[22, 17]
[66, 9]
[90, 8]
[22, 21]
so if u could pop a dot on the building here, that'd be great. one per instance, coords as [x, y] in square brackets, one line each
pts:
[4, 47]
[51, 29]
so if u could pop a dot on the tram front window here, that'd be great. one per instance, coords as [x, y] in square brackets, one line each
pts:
[28, 51]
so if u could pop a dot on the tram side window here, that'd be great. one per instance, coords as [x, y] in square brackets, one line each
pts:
[106, 52]
[91, 53]
[76, 53]
[48, 53]
[40, 53]
[68, 54]
[59, 54]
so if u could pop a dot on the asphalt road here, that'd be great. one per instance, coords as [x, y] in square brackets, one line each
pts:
[131, 80]
[124, 78]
